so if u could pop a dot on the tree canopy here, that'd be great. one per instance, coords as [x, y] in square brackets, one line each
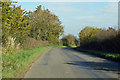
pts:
[15, 23]
[45, 25]
[40, 24]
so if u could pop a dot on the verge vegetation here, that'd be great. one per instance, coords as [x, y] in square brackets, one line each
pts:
[109, 56]
[16, 63]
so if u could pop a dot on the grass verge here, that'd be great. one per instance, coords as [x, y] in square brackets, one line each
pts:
[15, 64]
[110, 56]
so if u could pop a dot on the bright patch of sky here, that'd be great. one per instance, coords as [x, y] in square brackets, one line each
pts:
[77, 15]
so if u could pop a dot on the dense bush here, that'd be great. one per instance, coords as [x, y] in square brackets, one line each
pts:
[100, 39]
[30, 43]
[15, 22]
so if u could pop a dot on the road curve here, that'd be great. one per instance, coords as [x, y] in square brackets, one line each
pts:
[68, 63]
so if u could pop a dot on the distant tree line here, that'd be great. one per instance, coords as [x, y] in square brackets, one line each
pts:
[70, 40]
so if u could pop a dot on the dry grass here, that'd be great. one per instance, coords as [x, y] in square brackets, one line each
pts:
[11, 46]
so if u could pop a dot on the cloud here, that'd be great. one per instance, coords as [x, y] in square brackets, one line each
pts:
[107, 15]
[75, 17]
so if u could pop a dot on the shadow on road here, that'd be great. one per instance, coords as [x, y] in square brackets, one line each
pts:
[105, 66]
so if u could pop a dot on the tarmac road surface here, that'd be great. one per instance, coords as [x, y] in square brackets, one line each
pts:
[68, 63]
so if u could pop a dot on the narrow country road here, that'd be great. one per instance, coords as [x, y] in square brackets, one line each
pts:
[68, 63]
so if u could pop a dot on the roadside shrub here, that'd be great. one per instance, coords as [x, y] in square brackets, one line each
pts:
[30, 43]
[11, 45]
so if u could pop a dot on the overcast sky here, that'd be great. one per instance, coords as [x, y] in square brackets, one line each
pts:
[76, 15]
